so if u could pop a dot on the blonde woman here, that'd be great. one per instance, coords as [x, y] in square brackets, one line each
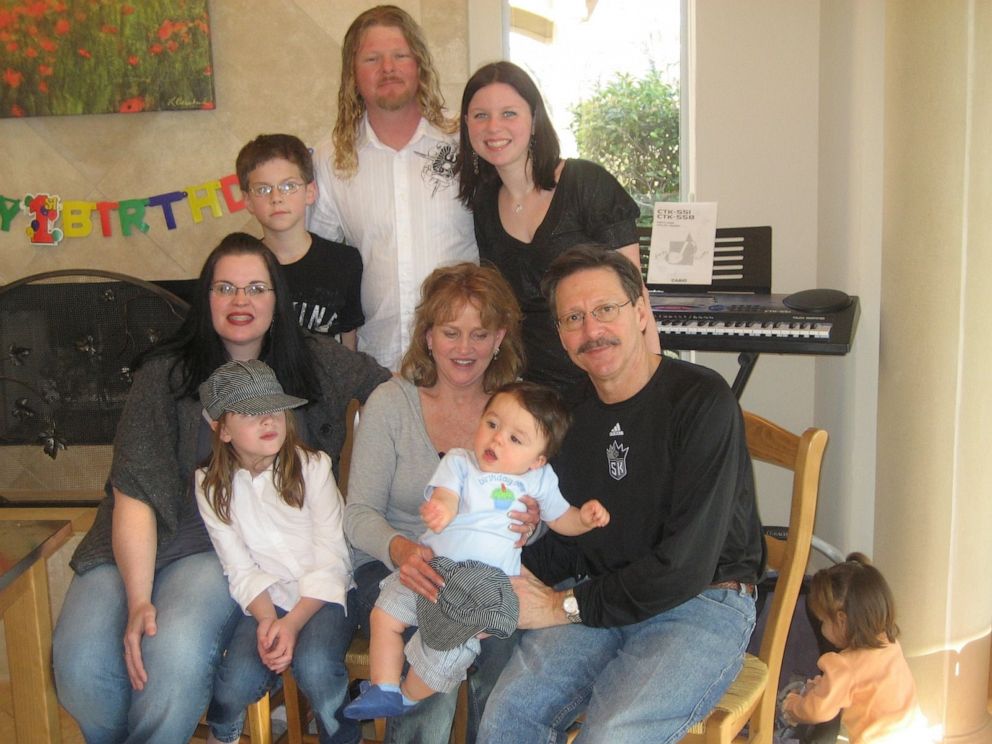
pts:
[465, 344]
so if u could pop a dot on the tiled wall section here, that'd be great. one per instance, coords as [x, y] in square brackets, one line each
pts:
[276, 66]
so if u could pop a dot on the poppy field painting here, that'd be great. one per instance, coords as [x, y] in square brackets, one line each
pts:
[62, 57]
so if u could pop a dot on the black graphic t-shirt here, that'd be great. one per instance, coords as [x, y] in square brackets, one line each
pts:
[325, 286]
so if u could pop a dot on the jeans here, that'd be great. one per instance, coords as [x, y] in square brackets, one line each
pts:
[430, 721]
[636, 683]
[195, 617]
[318, 666]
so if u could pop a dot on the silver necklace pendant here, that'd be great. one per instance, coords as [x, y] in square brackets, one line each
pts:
[518, 208]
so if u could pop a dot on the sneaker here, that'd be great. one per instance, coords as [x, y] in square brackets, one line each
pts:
[374, 702]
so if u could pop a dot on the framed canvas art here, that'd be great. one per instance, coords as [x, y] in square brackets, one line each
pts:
[62, 57]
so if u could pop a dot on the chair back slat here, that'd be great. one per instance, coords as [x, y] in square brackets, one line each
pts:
[803, 455]
[344, 466]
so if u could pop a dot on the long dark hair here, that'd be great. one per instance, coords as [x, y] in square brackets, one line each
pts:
[198, 350]
[545, 151]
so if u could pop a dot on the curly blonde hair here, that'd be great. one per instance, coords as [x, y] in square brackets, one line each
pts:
[442, 296]
[351, 107]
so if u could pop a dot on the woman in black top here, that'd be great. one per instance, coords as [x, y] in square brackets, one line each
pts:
[530, 205]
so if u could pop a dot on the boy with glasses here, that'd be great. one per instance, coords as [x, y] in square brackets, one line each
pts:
[275, 173]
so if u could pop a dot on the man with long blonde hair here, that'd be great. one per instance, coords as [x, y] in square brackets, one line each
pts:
[385, 175]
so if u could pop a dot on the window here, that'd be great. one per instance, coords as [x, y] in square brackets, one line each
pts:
[610, 74]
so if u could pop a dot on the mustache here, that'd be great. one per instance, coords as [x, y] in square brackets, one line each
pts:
[597, 343]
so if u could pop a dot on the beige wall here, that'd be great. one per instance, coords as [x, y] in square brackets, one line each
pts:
[863, 136]
[276, 68]
[753, 127]
[933, 511]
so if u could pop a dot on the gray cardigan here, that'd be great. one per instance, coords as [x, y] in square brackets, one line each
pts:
[391, 464]
[155, 447]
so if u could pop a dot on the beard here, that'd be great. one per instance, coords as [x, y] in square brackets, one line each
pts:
[395, 100]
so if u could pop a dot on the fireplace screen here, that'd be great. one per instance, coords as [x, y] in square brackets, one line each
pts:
[67, 343]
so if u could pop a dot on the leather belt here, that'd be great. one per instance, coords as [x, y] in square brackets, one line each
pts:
[734, 585]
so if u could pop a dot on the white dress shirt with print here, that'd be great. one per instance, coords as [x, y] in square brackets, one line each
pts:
[401, 211]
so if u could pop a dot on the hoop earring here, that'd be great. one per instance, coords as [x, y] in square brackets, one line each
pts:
[475, 162]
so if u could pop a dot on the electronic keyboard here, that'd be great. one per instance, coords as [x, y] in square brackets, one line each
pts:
[751, 322]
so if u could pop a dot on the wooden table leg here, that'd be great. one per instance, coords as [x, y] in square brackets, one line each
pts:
[28, 630]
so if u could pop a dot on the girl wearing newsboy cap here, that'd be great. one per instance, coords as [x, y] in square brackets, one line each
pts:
[273, 511]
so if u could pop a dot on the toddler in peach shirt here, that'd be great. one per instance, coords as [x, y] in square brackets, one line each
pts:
[868, 681]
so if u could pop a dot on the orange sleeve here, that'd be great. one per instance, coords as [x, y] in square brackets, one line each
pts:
[825, 696]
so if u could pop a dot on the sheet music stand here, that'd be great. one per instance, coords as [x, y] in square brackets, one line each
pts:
[742, 264]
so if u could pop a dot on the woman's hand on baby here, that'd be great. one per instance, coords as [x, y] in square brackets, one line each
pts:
[525, 522]
[436, 515]
[594, 514]
[416, 573]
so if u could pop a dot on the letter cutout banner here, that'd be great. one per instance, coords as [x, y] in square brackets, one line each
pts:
[50, 219]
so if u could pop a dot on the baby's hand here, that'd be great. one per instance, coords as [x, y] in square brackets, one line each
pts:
[435, 515]
[787, 717]
[811, 683]
[594, 514]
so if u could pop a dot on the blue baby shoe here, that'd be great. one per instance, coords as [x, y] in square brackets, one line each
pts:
[375, 702]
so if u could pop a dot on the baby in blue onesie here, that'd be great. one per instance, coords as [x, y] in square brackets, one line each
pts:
[465, 511]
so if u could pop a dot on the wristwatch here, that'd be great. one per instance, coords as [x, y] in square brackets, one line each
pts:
[571, 607]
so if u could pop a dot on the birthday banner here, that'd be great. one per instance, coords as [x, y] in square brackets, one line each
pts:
[51, 219]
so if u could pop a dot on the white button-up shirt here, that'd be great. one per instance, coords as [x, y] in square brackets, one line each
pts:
[273, 546]
[401, 211]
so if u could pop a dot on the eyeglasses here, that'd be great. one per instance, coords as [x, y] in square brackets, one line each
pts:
[605, 313]
[285, 188]
[226, 289]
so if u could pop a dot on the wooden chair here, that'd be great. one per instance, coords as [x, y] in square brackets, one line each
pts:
[751, 697]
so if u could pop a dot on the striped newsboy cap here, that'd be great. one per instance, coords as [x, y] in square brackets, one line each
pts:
[247, 387]
[475, 598]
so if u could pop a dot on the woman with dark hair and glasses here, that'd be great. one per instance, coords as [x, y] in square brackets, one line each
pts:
[148, 613]
[530, 205]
